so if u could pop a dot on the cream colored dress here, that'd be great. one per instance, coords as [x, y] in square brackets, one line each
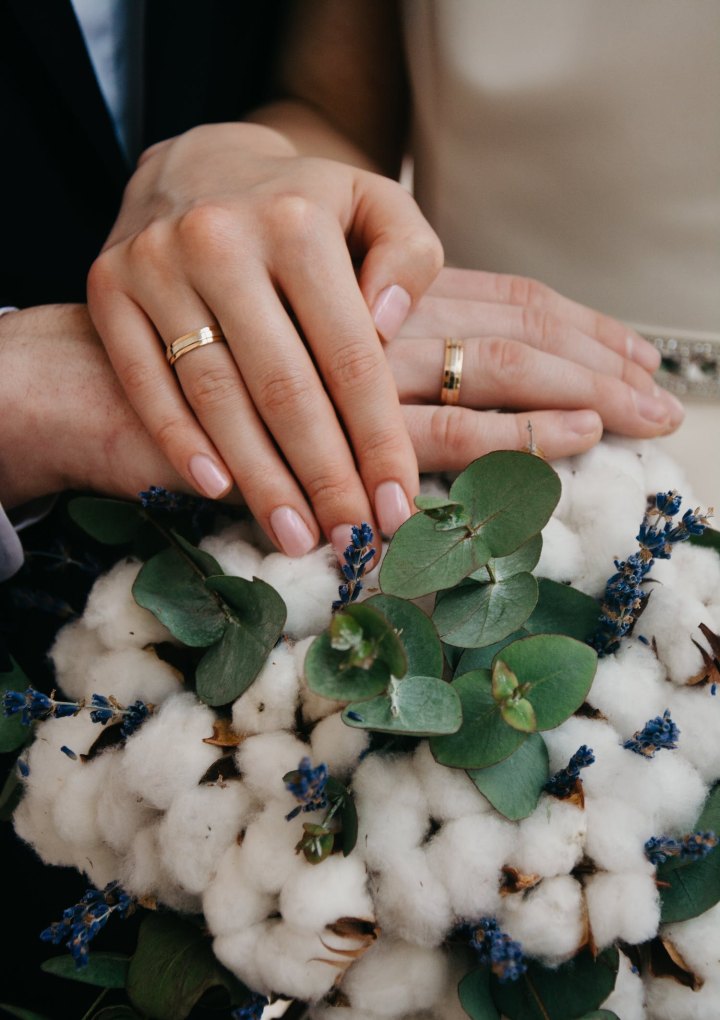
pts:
[578, 142]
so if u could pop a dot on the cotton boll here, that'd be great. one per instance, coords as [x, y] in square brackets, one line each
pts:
[392, 809]
[395, 978]
[199, 826]
[562, 554]
[264, 759]
[308, 586]
[49, 766]
[167, 754]
[142, 873]
[411, 901]
[232, 902]
[114, 614]
[668, 1000]
[680, 791]
[76, 806]
[238, 952]
[697, 715]
[294, 962]
[450, 793]
[270, 701]
[673, 622]
[600, 778]
[622, 905]
[123, 812]
[32, 820]
[550, 841]
[338, 745]
[699, 571]
[99, 865]
[628, 686]
[698, 942]
[75, 649]
[467, 855]
[627, 999]
[268, 850]
[131, 674]
[548, 921]
[331, 1013]
[616, 834]
[315, 896]
[238, 558]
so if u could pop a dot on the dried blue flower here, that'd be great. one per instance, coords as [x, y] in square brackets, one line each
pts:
[693, 847]
[23, 768]
[34, 705]
[108, 709]
[81, 923]
[69, 752]
[252, 1010]
[658, 734]
[357, 555]
[307, 785]
[497, 950]
[158, 498]
[562, 784]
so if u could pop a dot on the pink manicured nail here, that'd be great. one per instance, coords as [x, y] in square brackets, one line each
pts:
[391, 507]
[390, 310]
[208, 477]
[340, 538]
[291, 531]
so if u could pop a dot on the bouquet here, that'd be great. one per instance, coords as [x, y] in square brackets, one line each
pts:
[477, 782]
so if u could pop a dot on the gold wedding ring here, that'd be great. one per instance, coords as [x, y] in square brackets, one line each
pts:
[190, 341]
[452, 372]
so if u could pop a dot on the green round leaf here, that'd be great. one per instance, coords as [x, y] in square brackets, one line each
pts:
[418, 706]
[523, 560]
[514, 785]
[484, 738]
[175, 591]
[13, 732]
[558, 671]
[326, 675]
[519, 714]
[105, 970]
[482, 614]
[483, 658]
[204, 562]
[416, 631]
[509, 496]
[504, 681]
[563, 993]
[561, 609]
[110, 521]
[690, 888]
[474, 995]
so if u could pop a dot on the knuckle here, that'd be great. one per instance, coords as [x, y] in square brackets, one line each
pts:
[525, 291]
[505, 357]
[287, 392]
[292, 214]
[354, 366]
[330, 490]
[449, 431]
[169, 435]
[136, 379]
[205, 228]
[209, 388]
[382, 447]
[102, 276]
[540, 325]
[423, 251]
[150, 245]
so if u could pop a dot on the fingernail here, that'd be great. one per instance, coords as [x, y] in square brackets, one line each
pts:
[391, 507]
[208, 477]
[659, 408]
[582, 423]
[291, 531]
[390, 310]
[340, 538]
[642, 352]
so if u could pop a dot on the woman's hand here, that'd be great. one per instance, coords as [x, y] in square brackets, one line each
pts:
[226, 225]
[569, 370]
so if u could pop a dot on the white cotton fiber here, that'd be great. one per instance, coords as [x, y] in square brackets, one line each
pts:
[698, 941]
[411, 901]
[548, 920]
[395, 978]
[99, 865]
[601, 777]
[49, 766]
[115, 616]
[167, 754]
[616, 834]
[123, 811]
[679, 791]
[264, 759]
[338, 745]
[142, 873]
[450, 793]
[562, 553]
[622, 905]
[467, 855]
[75, 650]
[308, 585]
[232, 901]
[673, 622]
[200, 824]
[316, 895]
[295, 962]
[628, 686]
[130, 674]
[699, 571]
[237, 557]
[668, 1000]
[392, 809]
[627, 999]
[268, 849]
[237, 950]
[32, 820]
[75, 807]
[270, 701]
[696, 713]
[550, 841]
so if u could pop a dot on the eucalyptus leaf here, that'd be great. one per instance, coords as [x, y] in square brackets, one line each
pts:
[562, 993]
[504, 681]
[483, 658]
[475, 997]
[474, 615]
[514, 785]
[120, 1012]
[338, 793]
[110, 521]
[416, 631]
[519, 713]
[204, 562]
[417, 706]
[426, 503]
[172, 968]
[710, 539]
[689, 888]
[13, 732]
[105, 970]
[562, 609]
[484, 737]
[11, 794]
[175, 591]
[523, 560]
[556, 673]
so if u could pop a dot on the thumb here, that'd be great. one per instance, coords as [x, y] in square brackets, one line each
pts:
[401, 254]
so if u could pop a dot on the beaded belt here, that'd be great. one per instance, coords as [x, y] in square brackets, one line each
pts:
[690, 364]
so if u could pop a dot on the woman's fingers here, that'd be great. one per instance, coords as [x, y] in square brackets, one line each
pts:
[448, 438]
[498, 372]
[475, 285]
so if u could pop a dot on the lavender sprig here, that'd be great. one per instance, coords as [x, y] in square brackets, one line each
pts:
[658, 734]
[497, 950]
[35, 706]
[308, 786]
[693, 846]
[357, 555]
[81, 923]
[562, 784]
[252, 1010]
